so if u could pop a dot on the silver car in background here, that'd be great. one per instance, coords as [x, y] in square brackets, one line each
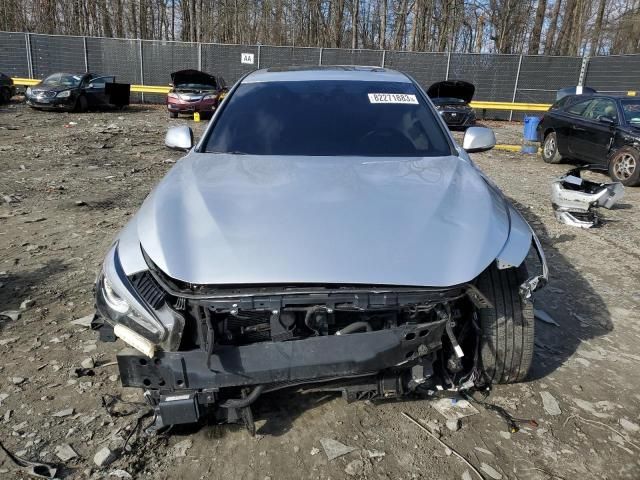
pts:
[326, 232]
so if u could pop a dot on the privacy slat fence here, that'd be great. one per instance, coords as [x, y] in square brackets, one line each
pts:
[526, 79]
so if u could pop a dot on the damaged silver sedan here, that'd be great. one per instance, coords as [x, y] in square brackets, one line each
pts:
[326, 233]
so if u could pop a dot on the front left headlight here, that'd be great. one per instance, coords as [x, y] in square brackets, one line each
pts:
[121, 304]
[211, 96]
[64, 94]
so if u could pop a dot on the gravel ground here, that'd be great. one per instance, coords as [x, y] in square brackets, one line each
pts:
[71, 181]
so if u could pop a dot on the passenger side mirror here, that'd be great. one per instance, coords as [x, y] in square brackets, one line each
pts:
[607, 120]
[478, 139]
[179, 138]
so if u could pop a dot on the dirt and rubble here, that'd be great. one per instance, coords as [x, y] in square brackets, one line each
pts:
[69, 182]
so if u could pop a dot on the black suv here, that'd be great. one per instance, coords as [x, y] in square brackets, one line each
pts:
[595, 129]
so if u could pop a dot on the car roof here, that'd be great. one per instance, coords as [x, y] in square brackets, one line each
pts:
[75, 74]
[338, 72]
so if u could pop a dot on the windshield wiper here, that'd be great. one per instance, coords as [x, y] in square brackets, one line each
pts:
[232, 152]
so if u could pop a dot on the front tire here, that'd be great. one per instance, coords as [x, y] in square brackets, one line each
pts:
[550, 153]
[624, 166]
[507, 328]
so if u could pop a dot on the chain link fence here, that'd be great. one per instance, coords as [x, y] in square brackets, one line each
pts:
[507, 78]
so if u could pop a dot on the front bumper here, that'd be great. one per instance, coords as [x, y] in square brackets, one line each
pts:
[575, 199]
[51, 103]
[458, 118]
[275, 364]
[190, 107]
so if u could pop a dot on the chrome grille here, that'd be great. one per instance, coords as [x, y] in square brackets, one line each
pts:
[44, 93]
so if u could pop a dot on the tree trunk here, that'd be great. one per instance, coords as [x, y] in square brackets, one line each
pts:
[383, 24]
[400, 24]
[562, 45]
[534, 40]
[192, 15]
[549, 43]
[355, 18]
[479, 34]
[597, 29]
[338, 16]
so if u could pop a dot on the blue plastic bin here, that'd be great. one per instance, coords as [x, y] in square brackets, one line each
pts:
[530, 126]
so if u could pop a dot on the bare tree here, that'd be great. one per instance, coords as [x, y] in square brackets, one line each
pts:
[566, 27]
[534, 40]
[549, 44]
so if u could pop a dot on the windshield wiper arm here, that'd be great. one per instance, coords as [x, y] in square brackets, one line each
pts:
[232, 152]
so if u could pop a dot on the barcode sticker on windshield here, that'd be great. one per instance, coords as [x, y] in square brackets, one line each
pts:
[401, 98]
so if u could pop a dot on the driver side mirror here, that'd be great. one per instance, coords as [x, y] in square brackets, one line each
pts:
[179, 138]
[478, 139]
[607, 120]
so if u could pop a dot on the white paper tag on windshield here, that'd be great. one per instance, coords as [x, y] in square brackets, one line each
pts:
[400, 98]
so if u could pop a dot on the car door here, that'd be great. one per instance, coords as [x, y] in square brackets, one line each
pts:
[574, 124]
[563, 119]
[593, 132]
[95, 91]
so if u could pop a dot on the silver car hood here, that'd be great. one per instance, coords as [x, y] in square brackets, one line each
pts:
[242, 219]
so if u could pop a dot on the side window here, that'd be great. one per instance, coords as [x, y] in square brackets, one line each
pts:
[579, 108]
[99, 82]
[601, 107]
[560, 103]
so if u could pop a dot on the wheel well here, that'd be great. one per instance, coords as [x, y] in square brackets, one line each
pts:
[613, 152]
[547, 132]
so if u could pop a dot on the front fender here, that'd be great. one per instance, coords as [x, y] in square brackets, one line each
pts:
[520, 241]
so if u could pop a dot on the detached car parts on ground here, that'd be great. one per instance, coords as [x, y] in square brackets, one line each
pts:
[595, 129]
[78, 92]
[358, 249]
[195, 91]
[452, 98]
[575, 199]
[7, 90]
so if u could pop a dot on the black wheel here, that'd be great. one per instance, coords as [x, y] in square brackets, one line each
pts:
[5, 95]
[550, 153]
[173, 114]
[624, 166]
[81, 104]
[507, 328]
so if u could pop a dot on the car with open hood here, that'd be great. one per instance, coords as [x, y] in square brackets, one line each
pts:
[7, 89]
[78, 92]
[452, 98]
[195, 91]
[596, 129]
[358, 249]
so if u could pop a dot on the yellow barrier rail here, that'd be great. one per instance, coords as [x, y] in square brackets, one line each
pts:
[481, 105]
[27, 82]
[510, 148]
[523, 107]
[150, 89]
